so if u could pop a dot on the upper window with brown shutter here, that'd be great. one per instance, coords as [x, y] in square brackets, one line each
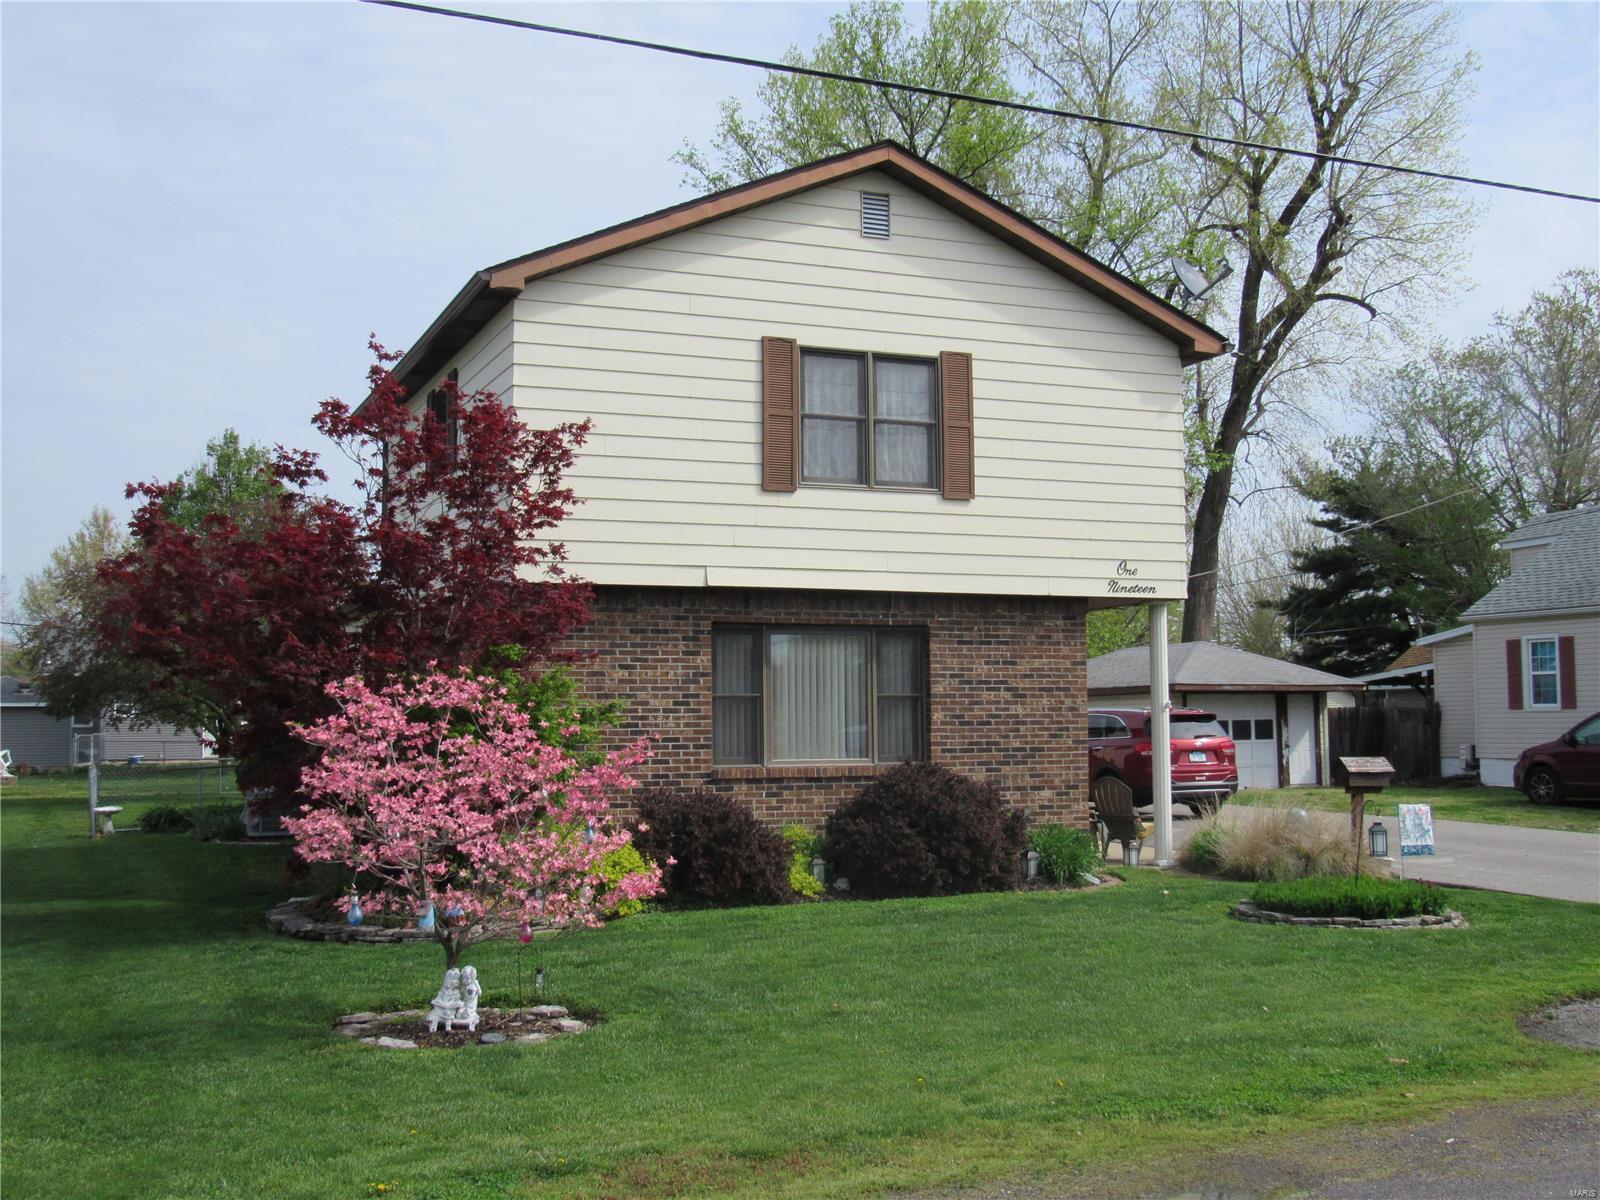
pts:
[866, 420]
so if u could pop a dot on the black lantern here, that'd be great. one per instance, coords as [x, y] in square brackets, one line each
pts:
[1378, 839]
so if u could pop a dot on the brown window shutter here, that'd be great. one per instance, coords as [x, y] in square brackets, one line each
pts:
[1514, 674]
[955, 417]
[780, 414]
[1567, 657]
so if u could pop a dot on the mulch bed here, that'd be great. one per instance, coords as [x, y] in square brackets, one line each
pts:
[520, 1026]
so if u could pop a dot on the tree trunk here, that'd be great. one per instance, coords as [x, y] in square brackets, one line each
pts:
[452, 950]
[1200, 610]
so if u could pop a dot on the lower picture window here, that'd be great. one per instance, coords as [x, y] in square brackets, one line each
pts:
[804, 694]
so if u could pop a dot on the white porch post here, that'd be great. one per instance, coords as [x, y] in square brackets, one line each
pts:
[1160, 734]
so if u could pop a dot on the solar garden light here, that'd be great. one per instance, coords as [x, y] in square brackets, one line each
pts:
[1378, 838]
[1033, 865]
[819, 869]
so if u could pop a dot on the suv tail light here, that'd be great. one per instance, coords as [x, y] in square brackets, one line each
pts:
[1142, 749]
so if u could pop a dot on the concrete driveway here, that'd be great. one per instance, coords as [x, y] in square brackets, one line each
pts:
[1502, 858]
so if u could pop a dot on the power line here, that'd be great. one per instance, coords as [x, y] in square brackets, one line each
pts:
[740, 60]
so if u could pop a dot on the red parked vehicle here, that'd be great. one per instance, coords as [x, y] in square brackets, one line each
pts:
[1569, 766]
[1205, 771]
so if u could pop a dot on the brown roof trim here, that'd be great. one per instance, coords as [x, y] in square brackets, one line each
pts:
[1196, 341]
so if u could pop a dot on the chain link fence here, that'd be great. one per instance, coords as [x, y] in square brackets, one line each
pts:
[203, 789]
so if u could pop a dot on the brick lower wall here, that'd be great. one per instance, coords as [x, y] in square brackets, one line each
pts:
[1006, 676]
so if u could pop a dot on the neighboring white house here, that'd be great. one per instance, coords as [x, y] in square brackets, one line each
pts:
[1275, 711]
[1527, 668]
[866, 447]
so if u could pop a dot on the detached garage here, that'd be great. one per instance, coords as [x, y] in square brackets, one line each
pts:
[1276, 711]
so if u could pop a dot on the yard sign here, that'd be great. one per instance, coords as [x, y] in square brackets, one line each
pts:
[1416, 829]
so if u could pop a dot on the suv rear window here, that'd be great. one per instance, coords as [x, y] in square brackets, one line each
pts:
[1194, 727]
[1104, 725]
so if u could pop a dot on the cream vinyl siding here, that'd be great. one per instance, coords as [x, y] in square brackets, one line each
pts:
[484, 363]
[1078, 425]
[1505, 734]
[1456, 695]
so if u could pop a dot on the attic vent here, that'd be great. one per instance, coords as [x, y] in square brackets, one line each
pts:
[874, 215]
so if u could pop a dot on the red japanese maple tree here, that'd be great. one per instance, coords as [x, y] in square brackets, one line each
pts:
[443, 555]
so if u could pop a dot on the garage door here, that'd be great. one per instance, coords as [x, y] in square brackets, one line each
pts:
[1252, 723]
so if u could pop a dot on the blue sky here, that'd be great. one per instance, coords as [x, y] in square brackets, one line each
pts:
[207, 207]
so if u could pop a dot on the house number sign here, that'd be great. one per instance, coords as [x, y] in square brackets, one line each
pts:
[1126, 582]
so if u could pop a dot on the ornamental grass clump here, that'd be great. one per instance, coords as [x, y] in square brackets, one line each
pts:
[443, 795]
[1269, 842]
[1360, 896]
[922, 830]
[1066, 855]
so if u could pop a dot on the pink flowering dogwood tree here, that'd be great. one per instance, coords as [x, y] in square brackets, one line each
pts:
[439, 791]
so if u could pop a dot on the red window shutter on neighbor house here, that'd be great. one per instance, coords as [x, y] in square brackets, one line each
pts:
[955, 387]
[1514, 673]
[1567, 657]
[780, 414]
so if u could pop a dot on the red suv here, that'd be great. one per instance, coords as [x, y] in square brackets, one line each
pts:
[1568, 766]
[1204, 770]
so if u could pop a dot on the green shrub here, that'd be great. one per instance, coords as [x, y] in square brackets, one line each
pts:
[1066, 854]
[617, 865]
[1360, 896]
[1269, 842]
[806, 846]
[219, 822]
[165, 818]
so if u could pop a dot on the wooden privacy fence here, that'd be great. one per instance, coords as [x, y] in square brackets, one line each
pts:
[1408, 737]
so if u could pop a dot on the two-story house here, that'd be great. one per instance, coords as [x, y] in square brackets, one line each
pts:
[1527, 667]
[867, 446]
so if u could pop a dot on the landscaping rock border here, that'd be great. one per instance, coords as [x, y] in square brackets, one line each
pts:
[1246, 910]
[290, 920]
[502, 1027]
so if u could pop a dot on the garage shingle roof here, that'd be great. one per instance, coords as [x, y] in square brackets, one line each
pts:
[1208, 667]
[1564, 575]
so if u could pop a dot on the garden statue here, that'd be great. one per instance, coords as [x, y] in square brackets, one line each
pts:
[447, 1005]
[470, 991]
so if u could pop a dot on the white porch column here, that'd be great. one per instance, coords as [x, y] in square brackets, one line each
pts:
[1160, 734]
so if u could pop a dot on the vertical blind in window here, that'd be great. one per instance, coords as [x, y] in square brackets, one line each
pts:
[818, 695]
[736, 696]
[900, 693]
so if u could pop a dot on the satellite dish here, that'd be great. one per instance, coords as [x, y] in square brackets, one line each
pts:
[1194, 280]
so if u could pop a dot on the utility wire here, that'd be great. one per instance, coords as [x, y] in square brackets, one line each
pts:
[740, 60]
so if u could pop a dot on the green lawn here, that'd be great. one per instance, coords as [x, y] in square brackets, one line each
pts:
[158, 1042]
[1492, 806]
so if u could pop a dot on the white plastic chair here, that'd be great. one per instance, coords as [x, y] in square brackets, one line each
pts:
[5, 765]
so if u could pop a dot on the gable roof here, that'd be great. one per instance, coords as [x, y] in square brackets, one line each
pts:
[489, 290]
[14, 693]
[1208, 667]
[1563, 577]
[1414, 655]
